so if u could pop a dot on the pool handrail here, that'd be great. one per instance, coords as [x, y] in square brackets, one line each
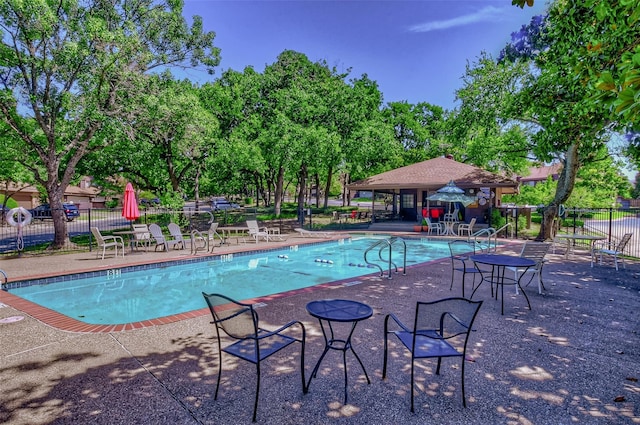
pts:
[384, 243]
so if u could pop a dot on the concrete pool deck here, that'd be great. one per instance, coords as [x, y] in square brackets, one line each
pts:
[574, 358]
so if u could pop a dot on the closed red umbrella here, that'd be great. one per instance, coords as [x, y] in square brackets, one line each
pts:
[130, 205]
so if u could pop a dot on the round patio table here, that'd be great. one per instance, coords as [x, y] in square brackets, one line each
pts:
[345, 311]
[499, 263]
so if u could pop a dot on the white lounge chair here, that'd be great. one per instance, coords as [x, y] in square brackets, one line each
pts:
[176, 233]
[312, 234]
[466, 229]
[105, 242]
[257, 232]
[161, 241]
[437, 227]
[535, 251]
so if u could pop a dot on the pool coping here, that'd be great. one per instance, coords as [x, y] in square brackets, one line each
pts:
[65, 323]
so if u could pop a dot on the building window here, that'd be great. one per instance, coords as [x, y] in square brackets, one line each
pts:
[407, 200]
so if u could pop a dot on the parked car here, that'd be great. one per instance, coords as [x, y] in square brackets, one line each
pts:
[153, 201]
[219, 204]
[44, 211]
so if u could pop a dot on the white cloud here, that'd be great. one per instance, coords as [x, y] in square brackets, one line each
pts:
[487, 14]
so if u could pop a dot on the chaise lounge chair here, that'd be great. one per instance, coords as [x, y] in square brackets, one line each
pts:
[256, 232]
[176, 233]
[161, 241]
[312, 234]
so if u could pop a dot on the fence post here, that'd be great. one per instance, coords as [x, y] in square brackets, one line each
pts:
[610, 224]
[90, 234]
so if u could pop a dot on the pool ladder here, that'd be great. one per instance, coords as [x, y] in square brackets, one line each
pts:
[383, 244]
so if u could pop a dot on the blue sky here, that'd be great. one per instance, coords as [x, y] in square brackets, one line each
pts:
[415, 50]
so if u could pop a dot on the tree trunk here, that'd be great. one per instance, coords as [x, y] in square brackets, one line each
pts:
[302, 184]
[327, 187]
[196, 187]
[317, 184]
[566, 182]
[55, 193]
[279, 191]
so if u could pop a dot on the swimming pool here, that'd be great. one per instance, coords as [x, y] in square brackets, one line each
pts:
[117, 298]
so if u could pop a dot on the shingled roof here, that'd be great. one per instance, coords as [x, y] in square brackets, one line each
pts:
[432, 175]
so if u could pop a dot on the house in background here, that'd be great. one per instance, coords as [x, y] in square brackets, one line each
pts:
[540, 174]
[84, 195]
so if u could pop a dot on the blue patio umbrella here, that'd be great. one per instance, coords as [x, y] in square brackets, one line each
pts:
[452, 193]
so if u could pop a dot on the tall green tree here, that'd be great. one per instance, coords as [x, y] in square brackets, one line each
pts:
[68, 69]
[419, 129]
[565, 123]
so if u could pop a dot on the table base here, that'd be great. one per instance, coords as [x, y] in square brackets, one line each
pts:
[344, 345]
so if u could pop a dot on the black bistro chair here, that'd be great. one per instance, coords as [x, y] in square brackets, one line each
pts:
[460, 251]
[441, 329]
[240, 322]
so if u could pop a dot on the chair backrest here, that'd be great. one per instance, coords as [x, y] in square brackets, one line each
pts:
[238, 320]
[252, 225]
[453, 216]
[141, 228]
[535, 251]
[214, 227]
[156, 232]
[175, 231]
[461, 249]
[623, 242]
[472, 222]
[448, 317]
[97, 235]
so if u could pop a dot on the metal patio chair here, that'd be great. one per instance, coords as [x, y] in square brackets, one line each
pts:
[441, 329]
[253, 344]
[460, 251]
[615, 251]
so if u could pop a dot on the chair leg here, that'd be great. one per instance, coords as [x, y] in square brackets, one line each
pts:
[412, 384]
[255, 405]
[464, 398]
[215, 397]
[305, 389]
[386, 346]
[453, 274]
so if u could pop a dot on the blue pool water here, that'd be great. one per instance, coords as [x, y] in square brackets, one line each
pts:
[142, 295]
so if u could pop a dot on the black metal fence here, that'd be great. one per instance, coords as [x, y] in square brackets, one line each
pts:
[39, 233]
[611, 223]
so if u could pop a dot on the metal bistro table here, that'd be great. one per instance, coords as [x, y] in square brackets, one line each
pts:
[499, 263]
[345, 311]
[578, 237]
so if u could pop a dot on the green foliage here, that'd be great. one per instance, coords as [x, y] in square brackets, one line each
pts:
[73, 72]
[10, 202]
[172, 201]
[497, 219]
[112, 203]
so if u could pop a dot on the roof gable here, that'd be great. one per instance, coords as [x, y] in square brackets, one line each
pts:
[433, 174]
